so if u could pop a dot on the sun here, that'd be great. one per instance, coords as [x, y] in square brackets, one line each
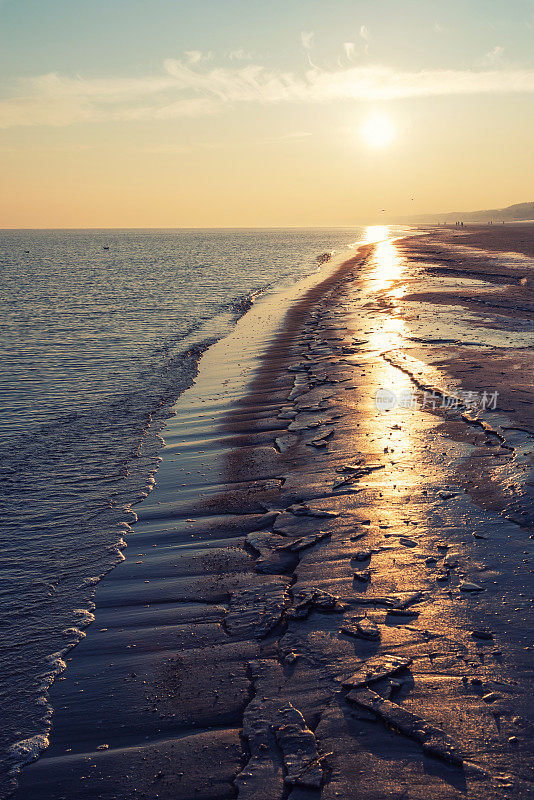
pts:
[378, 130]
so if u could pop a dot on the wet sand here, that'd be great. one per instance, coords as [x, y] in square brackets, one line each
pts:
[321, 597]
[514, 238]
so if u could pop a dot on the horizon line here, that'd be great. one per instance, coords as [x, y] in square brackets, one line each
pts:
[196, 227]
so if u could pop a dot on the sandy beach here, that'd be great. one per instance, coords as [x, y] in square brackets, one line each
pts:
[326, 594]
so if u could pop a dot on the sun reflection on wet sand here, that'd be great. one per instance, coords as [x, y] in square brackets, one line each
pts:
[391, 334]
[388, 267]
[390, 431]
[386, 270]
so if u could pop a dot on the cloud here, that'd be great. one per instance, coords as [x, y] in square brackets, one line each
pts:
[191, 90]
[191, 107]
[289, 137]
[366, 36]
[494, 56]
[57, 101]
[349, 49]
[307, 37]
[197, 56]
[163, 149]
[239, 55]
[254, 83]
[193, 56]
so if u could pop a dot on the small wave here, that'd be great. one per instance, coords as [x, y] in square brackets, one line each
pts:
[241, 305]
[28, 749]
[85, 617]
[91, 581]
[76, 632]
[56, 660]
[115, 549]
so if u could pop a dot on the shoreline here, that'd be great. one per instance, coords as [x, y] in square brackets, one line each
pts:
[137, 460]
[136, 488]
[241, 634]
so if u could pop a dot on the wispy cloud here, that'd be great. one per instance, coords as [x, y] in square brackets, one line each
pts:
[349, 49]
[58, 101]
[164, 149]
[197, 56]
[366, 36]
[495, 55]
[189, 107]
[239, 55]
[306, 38]
[289, 137]
[254, 83]
[186, 89]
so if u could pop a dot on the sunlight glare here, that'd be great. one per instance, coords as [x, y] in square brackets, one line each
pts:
[389, 266]
[378, 130]
[375, 233]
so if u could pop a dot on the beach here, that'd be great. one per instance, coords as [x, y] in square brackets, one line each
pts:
[326, 592]
[102, 332]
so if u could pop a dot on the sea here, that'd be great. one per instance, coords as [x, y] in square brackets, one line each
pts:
[101, 331]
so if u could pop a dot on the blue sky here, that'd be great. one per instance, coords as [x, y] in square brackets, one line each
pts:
[129, 35]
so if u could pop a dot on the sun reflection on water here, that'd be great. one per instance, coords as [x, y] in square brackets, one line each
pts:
[376, 233]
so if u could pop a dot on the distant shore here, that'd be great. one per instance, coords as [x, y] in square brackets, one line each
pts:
[327, 590]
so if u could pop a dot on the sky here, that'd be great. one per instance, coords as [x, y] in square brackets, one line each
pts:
[246, 113]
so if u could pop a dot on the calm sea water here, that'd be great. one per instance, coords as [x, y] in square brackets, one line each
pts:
[100, 332]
